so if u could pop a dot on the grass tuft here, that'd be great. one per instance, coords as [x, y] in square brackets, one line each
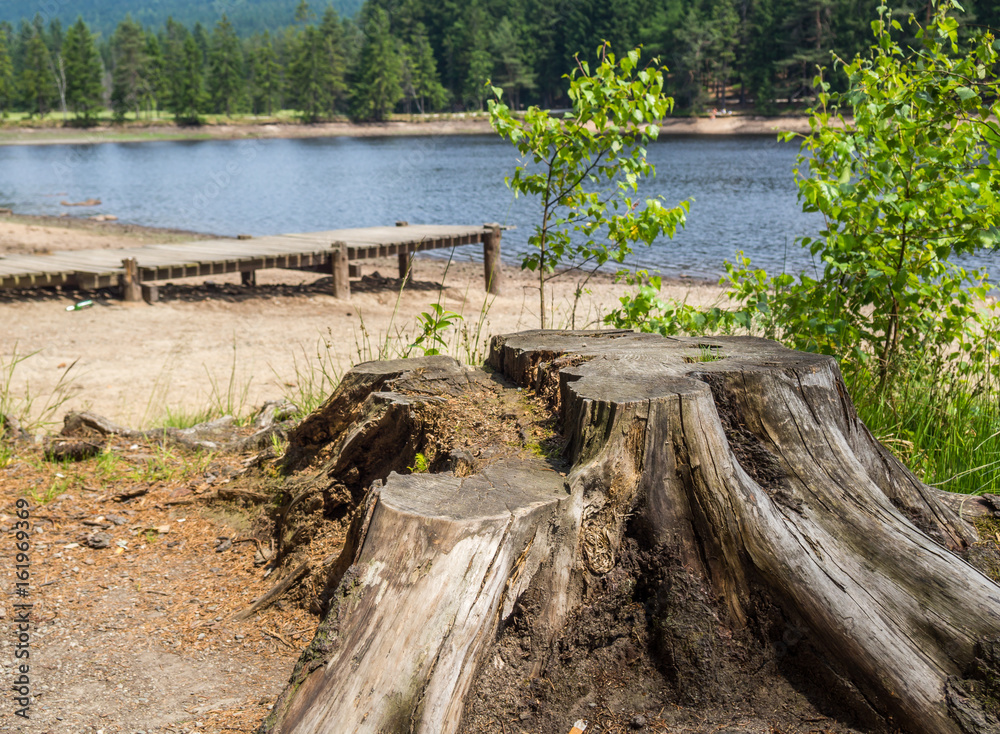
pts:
[315, 377]
[946, 431]
[32, 411]
[232, 397]
[180, 418]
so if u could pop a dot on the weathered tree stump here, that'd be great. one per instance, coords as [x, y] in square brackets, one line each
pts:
[709, 487]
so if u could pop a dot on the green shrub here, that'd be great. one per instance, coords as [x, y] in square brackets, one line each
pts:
[905, 187]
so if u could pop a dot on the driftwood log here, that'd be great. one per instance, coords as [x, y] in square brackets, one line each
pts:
[711, 484]
[272, 419]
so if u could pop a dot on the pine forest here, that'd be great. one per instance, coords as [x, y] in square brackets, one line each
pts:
[419, 56]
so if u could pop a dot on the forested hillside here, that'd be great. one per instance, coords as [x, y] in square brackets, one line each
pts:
[422, 55]
[247, 16]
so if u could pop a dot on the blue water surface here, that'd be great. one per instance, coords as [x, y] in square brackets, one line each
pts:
[742, 192]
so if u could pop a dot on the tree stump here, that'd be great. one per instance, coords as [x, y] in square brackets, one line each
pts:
[710, 493]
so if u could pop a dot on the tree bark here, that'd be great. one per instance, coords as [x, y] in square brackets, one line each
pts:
[740, 465]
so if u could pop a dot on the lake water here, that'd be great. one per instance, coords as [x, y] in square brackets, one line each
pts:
[744, 197]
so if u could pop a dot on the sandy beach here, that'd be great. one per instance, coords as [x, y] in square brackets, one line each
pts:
[216, 341]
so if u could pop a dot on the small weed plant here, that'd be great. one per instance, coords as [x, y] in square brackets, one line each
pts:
[109, 467]
[6, 455]
[279, 445]
[176, 417]
[432, 325]
[59, 486]
[420, 464]
[436, 330]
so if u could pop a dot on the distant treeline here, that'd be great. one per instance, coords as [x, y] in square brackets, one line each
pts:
[247, 16]
[428, 55]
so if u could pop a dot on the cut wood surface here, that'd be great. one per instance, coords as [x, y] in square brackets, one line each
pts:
[740, 464]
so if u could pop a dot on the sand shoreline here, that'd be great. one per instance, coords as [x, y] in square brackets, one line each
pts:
[471, 125]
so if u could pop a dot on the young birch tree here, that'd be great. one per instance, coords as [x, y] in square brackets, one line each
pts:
[585, 166]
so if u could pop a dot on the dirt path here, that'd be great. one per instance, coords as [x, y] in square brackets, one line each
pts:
[131, 617]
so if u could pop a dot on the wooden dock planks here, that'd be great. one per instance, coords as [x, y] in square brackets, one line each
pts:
[313, 251]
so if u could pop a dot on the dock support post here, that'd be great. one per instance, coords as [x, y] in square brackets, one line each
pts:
[129, 280]
[404, 257]
[249, 278]
[491, 258]
[404, 264]
[340, 270]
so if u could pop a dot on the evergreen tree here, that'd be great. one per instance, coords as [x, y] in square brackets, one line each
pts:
[38, 85]
[852, 29]
[377, 82]
[331, 29]
[129, 85]
[305, 68]
[542, 35]
[446, 32]
[694, 59]
[512, 74]
[420, 77]
[172, 42]
[53, 39]
[7, 89]
[577, 28]
[808, 42]
[354, 38]
[315, 74]
[479, 65]
[154, 69]
[203, 42]
[225, 81]
[19, 53]
[187, 92]
[760, 55]
[303, 13]
[724, 28]
[988, 15]
[619, 23]
[265, 77]
[84, 72]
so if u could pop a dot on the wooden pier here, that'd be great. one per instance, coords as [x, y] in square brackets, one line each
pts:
[336, 252]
